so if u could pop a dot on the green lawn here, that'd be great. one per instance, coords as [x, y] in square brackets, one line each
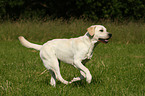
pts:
[117, 67]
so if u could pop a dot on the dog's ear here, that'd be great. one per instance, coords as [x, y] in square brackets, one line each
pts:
[91, 30]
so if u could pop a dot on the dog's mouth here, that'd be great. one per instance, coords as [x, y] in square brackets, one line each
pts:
[104, 40]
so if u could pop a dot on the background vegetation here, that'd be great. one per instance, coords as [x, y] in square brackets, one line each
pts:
[42, 31]
[91, 9]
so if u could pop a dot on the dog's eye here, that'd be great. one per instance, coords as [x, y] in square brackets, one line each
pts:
[101, 30]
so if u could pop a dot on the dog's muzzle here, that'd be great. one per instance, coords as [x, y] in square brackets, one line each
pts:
[106, 40]
[110, 35]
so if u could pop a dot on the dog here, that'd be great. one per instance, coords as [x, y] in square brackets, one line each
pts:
[74, 51]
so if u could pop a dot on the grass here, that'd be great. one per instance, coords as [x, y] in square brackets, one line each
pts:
[39, 31]
[117, 68]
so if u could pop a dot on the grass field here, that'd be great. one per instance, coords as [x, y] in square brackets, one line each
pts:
[117, 67]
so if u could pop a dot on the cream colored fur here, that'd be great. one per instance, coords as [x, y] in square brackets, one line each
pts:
[72, 51]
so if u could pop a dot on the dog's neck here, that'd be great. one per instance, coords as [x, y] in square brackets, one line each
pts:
[93, 44]
[87, 34]
[91, 39]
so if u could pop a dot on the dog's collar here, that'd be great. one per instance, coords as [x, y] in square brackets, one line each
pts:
[89, 35]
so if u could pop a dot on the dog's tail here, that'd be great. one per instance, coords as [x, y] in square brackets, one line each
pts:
[27, 44]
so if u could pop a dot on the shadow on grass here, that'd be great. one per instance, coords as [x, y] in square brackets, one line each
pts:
[83, 83]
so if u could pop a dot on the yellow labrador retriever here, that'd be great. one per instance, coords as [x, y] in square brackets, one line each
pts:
[74, 51]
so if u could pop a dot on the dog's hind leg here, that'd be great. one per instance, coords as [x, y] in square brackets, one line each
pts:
[51, 63]
[53, 78]
[58, 75]
[53, 67]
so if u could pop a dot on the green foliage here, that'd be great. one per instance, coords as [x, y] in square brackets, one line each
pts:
[91, 9]
[112, 9]
[10, 9]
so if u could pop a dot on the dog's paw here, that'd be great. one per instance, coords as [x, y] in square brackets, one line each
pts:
[65, 82]
[89, 78]
[52, 84]
[75, 79]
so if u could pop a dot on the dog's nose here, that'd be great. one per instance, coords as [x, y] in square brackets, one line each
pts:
[110, 35]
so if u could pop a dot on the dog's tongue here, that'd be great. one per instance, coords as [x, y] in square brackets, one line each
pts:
[106, 40]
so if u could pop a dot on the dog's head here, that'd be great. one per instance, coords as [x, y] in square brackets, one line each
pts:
[99, 33]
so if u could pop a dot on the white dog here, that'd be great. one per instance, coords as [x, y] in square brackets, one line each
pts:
[74, 51]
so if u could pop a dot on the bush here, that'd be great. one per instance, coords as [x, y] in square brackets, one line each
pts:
[91, 9]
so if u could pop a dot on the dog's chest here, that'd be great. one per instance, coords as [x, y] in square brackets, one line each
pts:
[89, 53]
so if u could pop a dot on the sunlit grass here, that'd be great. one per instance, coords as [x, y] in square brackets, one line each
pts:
[40, 31]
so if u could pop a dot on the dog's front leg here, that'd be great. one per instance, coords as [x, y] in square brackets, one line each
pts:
[78, 78]
[85, 71]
